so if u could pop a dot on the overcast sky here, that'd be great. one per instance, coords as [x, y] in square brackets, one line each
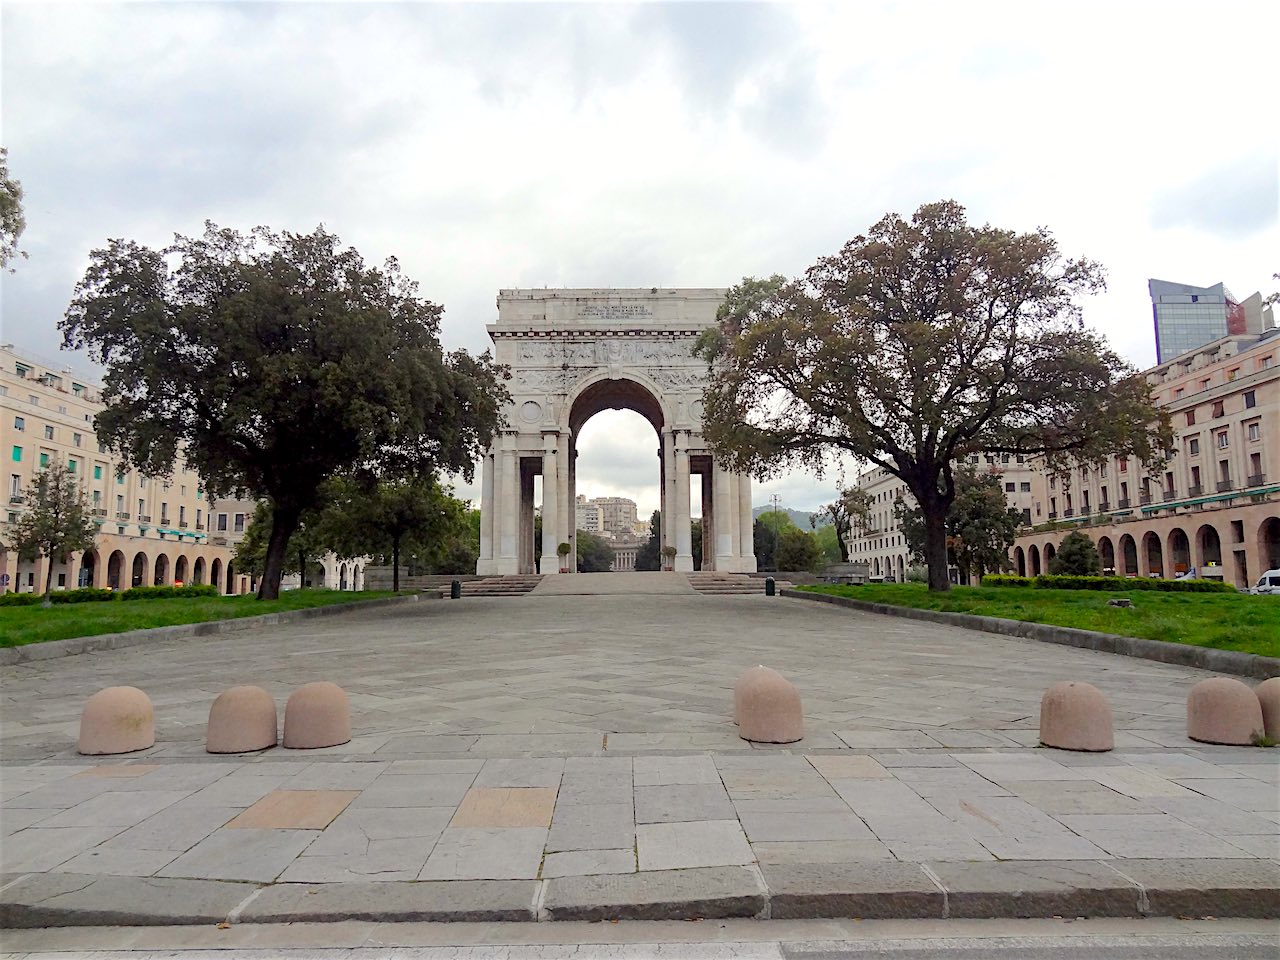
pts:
[490, 146]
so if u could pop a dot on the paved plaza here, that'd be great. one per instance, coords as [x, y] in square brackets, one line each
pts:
[568, 756]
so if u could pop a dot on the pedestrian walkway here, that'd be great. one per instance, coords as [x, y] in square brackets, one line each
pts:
[574, 758]
[642, 583]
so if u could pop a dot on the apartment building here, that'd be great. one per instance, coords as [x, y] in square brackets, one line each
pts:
[883, 547]
[151, 530]
[1213, 507]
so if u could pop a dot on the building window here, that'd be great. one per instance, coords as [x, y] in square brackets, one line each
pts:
[119, 477]
[142, 507]
[1255, 431]
[1264, 363]
[1233, 373]
[1250, 400]
[1204, 384]
[1193, 446]
[1177, 394]
[97, 471]
[182, 515]
[119, 503]
[1124, 465]
[1025, 487]
[20, 423]
[76, 439]
[17, 454]
[1009, 488]
[1223, 441]
[164, 513]
[48, 432]
[44, 459]
[15, 485]
[239, 524]
[1191, 417]
[97, 498]
[71, 465]
[222, 523]
[1217, 409]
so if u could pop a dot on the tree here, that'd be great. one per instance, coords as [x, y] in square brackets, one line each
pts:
[398, 516]
[56, 523]
[649, 556]
[850, 511]
[12, 221]
[918, 343]
[594, 553]
[798, 550]
[980, 525]
[1077, 555]
[305, 547]
[829, 545]
[275, 361]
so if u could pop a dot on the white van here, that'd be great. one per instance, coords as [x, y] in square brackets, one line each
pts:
[1269, 582]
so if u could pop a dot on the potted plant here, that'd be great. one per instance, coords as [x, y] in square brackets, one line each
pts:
[668, 557]
[562, 551]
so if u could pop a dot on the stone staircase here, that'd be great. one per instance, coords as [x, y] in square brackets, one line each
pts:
[513, 585]
[712, 583]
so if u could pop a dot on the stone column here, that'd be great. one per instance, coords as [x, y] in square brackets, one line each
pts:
[550, 562]
[567, 514]
[746, 526]
[508, 513]
[669, 490]
[73, 570]
[724, 513]
[485, 562]
[684, 536]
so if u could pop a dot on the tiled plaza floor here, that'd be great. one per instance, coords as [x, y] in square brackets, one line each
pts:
[546, 737]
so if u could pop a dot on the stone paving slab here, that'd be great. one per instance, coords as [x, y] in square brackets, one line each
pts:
[65, 899]
[709, 893]
[466, 900]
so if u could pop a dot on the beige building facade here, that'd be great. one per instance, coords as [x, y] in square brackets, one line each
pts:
[1214, 507]
[151, 530]
[882, 545]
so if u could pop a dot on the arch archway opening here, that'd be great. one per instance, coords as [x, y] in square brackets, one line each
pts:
[1128, 557]
[1179, 551]
[1209, 546]
[180, 567]
[197, 571]
[1269, 544]
[162, 570]
[1033, 557]
[1107, 554]
[115, 570]
[88, 568]
[215, 574]
[1154, 552]
[139, 570]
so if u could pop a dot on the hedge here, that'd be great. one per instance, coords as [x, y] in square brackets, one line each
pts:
[1048, 581]
[166, 592]
[19, 599]
[82, 595]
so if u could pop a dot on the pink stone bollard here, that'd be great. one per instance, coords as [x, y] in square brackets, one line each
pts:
[317, 715]
[1076, 716]
[1268, 693]
[117, 720]
[241, 720]
[768, 707]
[1223, 710]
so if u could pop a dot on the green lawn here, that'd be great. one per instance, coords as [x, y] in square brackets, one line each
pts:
[19, 625]
[1228, 621]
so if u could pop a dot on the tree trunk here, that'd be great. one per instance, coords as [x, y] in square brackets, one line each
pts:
[935, 545]
[302, 570]
[395, 563]
[284, 521]
[48, 582]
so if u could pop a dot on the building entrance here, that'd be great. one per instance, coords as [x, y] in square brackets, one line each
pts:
[573, 353]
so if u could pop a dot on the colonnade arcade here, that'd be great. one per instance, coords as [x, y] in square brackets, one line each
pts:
[574, 353]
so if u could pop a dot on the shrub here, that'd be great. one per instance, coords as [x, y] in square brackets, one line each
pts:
[1076, 555]
[83, 595]
[1005, 580]
[1050, 581]
[168, 592]
[19, 599]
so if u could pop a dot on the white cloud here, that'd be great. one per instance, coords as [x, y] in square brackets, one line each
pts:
[492, 146]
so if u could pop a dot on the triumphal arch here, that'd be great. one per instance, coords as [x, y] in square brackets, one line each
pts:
[573, 353]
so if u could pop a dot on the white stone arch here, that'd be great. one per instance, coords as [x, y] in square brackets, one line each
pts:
[563, 345]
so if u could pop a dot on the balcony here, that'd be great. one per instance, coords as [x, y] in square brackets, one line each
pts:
[123, 516]
[1053, 515]
[1196, 490]
[1068, 512]
[182, 524]
[17, 498]
[1103, 507]
[164, 521]
[1144, 499]
[199, 526]
[1256, 480]
[1123, 503]
[144, 519]
[99, 513]
[1225, 485]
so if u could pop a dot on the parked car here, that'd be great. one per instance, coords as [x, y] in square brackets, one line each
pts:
[1269, 582]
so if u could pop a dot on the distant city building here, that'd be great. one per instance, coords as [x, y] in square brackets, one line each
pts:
[1212, 507]
[611, 515]
[1187, 316]
[883, 547]
[588, 515]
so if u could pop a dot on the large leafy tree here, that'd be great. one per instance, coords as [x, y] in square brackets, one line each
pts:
[919, 342]
[12, 221]
[649, 555]
[594, 553]
[849, 513]
[980, 525]
[56, 522]
[275, 361]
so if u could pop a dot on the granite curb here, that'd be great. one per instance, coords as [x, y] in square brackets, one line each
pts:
[54, 649]
[861, 890]
[1185, 655]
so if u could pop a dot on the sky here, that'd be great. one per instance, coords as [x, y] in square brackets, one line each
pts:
[666, 144]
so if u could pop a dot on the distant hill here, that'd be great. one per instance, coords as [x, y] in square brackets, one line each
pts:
[799, 517]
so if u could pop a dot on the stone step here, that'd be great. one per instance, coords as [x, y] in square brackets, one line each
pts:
[515, 585]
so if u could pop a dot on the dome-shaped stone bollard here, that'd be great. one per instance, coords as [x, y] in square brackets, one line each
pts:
[241, 720]
[1223, 710]
[117, 720]
[317, 715]
[1268, 693]
[747, 676]
[768, 707]
[1076, 716]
